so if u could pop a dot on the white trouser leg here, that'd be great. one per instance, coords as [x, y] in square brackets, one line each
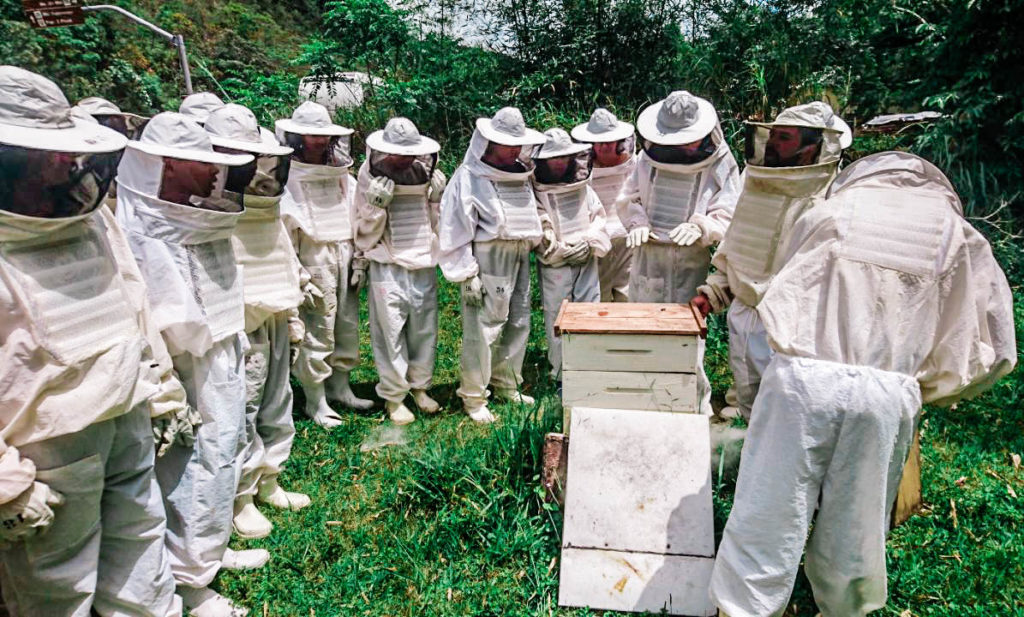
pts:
[749, 353]
[199, 483]
[614, 272]
[572, 283]
[270, 429]
[403, 328]
[105, 548]
[332, 324]
[824, 431]
[494, 335]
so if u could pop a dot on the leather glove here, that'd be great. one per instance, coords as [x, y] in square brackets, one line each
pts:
[638, 236]
[578, 253]
[178, 427]
[437, 185]
[380, 192]
[28, 514]
[686, 234]
[358, 278]
[310, 294]
[473, 291]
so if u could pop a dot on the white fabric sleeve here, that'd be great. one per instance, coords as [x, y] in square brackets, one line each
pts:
[715, 221]
[975, 340]
[597, 234]
[716, 288]
[371, 221]
[633, 215]
[16, 473]
[456, 231]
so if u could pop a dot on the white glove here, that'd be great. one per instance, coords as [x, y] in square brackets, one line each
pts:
[473, 291]
[380, 192]
[177, 427]
[638, 236]
[437, 184]
[310, 294]
[549, 243]
[358, 278]
[578, 253]
[296, 327]
[28, 514]
[686, 234]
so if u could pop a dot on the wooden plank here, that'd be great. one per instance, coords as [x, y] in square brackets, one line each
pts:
[908, 499]
[632, 353]
[639, 481]
[701, 322]
[628, 318]
[622, 581]
[644, 391]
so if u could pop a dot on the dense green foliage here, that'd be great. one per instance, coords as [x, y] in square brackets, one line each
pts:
[453, 524]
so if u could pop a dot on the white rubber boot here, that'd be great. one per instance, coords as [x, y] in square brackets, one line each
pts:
[515, 396]
[249, 559]
[425, 403]
[480, 414]
[205, 602]
[271, 493]
[399, 413]
[317, 408]
[339, 390]
[249, 523]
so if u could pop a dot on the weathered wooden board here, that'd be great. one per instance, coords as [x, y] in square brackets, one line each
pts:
[629, 353]
[629, 318]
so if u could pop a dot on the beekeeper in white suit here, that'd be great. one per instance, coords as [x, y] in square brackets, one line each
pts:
[489, 225]
[270, 276]
[887, 298]
[179, 224]
[84, 372]
[109, 115]
[574, 227]
[397, 200]
[679, 202]
[791, 162]
[197, 107]
[319, 209]
[614, 144]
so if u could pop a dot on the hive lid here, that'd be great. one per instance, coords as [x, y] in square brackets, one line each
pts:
[630, 318]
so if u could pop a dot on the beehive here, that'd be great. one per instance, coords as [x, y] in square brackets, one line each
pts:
[639, 526]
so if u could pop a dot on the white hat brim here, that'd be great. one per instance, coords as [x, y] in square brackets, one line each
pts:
[291, 126]
[572, 150]
[203, 156]
[250, 146]
[707, 120]
[624, 130]
[841, 127]
[84, 137]
[530, 138]
[376, 141]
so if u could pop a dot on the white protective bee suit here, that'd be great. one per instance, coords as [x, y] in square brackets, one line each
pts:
[489, 225]
[607, 182]
[771, 201]
[270, 275]
[85, 380]
[887, 298]
[197, 107]
[318, 208]
[678, 210]
[195, 291]
[396, 230]
[575, 234]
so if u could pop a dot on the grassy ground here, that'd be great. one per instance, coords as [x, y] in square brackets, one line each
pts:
[453, 523]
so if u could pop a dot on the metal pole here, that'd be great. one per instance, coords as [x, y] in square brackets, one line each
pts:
[174, 39]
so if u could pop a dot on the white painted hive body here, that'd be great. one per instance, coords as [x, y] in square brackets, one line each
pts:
[639, 526]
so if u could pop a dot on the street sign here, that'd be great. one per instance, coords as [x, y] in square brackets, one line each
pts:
[53, 13]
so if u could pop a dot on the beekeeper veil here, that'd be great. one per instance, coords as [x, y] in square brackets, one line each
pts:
[401, 153]
[800, 136]
[682, 129]
[52, 163]
[110, 115]
[561, 161]
[234, 129]
[314, 138]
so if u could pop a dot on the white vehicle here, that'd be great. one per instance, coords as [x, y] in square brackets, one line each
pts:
[347, 90]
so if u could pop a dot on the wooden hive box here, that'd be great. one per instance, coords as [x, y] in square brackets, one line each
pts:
[630, 356]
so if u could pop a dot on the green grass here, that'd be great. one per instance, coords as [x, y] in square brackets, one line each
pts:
[454, 523]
